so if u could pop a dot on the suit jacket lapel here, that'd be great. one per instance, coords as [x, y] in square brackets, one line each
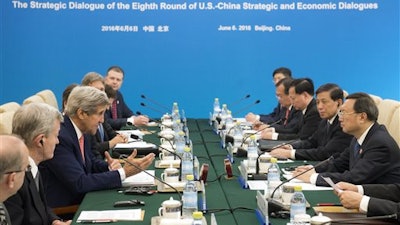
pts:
[37, 198]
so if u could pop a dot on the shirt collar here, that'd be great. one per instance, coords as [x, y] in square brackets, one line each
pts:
[78, 132]
[34, 167]
[361, 139]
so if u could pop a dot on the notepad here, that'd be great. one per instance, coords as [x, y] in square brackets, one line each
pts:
[111, 215]
[140, 179]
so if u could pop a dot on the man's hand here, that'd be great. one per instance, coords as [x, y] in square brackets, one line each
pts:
[250, 117]
[142, 163]
[59, 222]
[113, 164]
[141, 120]
[281, 153]
[266, 134]
[117, 139]
[350, 199]
[347, 186]
[306, 176]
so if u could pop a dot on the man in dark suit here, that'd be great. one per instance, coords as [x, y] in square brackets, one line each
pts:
[301, 93]
[329, 139]
[38, 124]
[278, 74]
[373, 156]
[372, 199]
[83, 172]
[120, 114]
[105, 138]
[13, 163]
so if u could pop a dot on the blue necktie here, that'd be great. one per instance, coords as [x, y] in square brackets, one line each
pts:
[356, 149]
[101, 131]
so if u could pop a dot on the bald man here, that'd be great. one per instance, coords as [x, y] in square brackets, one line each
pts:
[13, 163]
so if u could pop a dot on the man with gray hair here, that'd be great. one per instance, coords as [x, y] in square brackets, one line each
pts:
[13, 163]
[38, 124]
[74, 170]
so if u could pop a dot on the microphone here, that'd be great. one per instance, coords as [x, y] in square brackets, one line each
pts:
[154, 109]
[123, 157]
[240, 100]
[275, 205]
[341, 221]
[179, 157]
[153, 101]
[242, 151]
[150, 119]
[246, 107]
[275, 147]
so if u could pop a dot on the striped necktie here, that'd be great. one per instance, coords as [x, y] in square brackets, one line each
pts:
[114, 110]
[4, 217]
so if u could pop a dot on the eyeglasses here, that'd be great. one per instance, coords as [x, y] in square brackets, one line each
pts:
[341, 113]
[28, 169]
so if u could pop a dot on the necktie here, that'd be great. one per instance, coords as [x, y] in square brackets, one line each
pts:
[101, 131]
[356, 149]
[37, 180]
[82, 147]
[4, 217]
[114, 110]
[328, 126]
[286, 116]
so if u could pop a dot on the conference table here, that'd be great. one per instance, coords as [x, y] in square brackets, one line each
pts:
[226, 198]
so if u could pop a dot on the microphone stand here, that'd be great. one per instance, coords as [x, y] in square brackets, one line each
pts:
[242, 151]
[276, 205]
[153, 101]
[238, 101]
[246, 107]
[275, 147]
[180, 158]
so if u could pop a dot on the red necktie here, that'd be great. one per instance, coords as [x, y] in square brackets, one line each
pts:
[82, 147]
[286, 116]
[114, 110]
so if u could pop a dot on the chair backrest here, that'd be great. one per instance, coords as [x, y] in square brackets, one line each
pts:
[6, 122]
[48, 97]
[376, 99]
[33, 98]
[9, 106]
[386, 110]
[394, 126]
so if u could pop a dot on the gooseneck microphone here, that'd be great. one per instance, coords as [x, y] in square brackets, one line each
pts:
[123, 157]
[241, 152]
[240, 100]
[149, 107]
[257, 175]
[179, 157]
[246, 107]
[155, 102]
[277, 206]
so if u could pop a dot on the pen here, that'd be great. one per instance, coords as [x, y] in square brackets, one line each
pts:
[329, 204]
[96, 221]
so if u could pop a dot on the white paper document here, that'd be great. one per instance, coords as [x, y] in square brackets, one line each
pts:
[263, 185]
[110, 216]
[135, 144]
[140, 179]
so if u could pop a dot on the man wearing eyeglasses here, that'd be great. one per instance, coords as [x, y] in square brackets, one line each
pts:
[13, 163]
[373, 156]
[38, 124]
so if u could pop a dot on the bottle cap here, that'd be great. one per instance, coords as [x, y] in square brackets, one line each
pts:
[297, 188]
[253, 137]
[197, 215]
[186, 149]
[189, 177]
[274, 160]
